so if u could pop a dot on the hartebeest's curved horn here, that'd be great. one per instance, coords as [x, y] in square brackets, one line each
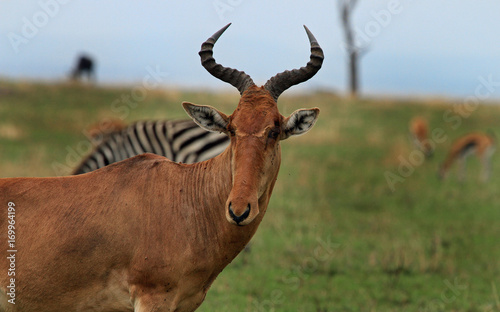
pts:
[238, 79]
[282, 81]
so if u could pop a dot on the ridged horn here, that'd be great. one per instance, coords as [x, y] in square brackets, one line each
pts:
[282, 81]
[236, 78]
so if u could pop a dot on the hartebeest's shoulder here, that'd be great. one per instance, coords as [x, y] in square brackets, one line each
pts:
[135, 219]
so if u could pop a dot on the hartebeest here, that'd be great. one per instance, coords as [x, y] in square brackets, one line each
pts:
[481, 144]
[419, 135]
[147, 234]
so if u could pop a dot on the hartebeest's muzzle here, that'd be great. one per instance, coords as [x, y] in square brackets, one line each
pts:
[238, 218]
[240, 210]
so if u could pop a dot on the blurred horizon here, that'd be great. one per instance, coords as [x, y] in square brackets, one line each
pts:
[423, 48]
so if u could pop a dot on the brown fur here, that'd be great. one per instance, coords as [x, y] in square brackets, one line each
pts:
[482, 145]
[419, 132]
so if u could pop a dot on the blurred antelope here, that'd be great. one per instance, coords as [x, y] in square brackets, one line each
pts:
[481, 144]
[419, 134]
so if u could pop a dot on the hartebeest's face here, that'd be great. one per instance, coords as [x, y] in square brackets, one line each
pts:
[255, 128]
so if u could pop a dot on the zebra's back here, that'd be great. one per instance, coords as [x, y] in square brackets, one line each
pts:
[178, 140]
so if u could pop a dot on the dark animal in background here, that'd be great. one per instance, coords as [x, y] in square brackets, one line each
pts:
[84, 66]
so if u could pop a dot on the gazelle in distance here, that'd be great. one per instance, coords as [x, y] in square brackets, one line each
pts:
[480, 144]
[148, 234]
[419, 135]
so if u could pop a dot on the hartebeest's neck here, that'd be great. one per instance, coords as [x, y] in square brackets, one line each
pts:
[215, 179]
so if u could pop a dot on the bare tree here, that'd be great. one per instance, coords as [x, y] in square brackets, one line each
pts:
[353, 50]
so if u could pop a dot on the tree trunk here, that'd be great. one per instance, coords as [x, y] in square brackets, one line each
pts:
[353, 73]
[352, 50]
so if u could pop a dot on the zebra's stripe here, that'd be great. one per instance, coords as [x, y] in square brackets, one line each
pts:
[180, 141]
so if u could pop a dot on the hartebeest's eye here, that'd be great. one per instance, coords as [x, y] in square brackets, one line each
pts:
[273, 133]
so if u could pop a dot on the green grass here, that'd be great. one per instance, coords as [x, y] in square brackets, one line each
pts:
[335, 237]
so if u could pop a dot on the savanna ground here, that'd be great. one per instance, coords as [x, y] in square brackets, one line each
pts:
[335, 237]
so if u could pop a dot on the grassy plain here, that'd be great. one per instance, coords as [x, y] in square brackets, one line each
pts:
[336, 237]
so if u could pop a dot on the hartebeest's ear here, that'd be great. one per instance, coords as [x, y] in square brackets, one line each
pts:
[207, 117]
[299, 122]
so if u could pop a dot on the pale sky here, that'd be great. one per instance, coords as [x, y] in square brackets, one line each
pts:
[415, 47]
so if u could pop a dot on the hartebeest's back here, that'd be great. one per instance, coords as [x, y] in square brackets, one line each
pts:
[147, 234]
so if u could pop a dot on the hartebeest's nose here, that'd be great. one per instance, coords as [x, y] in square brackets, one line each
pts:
[240, 218]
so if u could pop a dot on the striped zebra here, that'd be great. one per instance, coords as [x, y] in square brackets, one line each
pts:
[178, 140]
